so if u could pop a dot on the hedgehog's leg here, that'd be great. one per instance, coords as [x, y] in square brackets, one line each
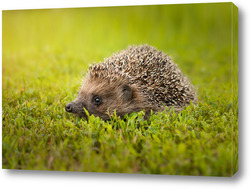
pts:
[147, 114]
[151, 108]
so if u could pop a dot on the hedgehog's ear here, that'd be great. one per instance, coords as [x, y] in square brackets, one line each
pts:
[127, 92]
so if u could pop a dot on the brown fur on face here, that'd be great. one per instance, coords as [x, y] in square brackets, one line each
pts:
[115, 95]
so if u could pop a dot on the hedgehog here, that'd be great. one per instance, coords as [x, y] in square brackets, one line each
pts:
[138, 78]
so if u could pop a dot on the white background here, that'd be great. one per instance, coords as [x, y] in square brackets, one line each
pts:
[51, 179]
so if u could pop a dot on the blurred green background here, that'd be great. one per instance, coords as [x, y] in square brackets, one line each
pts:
[46, 52]
[195, 35]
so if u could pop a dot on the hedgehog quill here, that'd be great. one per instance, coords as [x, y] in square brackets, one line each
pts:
[135, 79]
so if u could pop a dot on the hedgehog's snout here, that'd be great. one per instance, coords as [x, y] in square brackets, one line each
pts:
[76, 108]
[69, 107]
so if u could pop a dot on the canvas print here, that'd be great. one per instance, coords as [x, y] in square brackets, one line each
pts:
[131, 89]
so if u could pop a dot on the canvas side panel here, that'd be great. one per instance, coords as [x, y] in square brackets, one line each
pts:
[235, 85]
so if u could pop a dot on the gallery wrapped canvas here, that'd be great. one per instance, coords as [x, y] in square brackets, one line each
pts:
[153, 89]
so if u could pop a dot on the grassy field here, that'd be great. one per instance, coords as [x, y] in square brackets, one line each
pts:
[47, 52]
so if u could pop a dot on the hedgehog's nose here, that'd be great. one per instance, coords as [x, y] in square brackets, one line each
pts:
[69, 107]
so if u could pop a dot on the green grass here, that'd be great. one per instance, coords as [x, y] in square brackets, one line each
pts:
[47, 52]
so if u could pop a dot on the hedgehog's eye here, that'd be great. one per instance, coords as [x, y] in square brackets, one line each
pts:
[97, 100]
